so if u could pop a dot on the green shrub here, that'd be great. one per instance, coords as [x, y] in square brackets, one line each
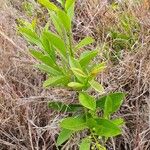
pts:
[59, 58]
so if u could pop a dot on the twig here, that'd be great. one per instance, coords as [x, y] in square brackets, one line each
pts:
[11, 41]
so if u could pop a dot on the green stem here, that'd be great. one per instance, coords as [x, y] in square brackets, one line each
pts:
[70, 44]
[96, 141]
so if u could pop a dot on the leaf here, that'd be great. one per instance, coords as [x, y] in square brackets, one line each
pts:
[61, 107]
[77, 69]
[49, 5]
[118, 121]
[112, 103]
[86, 41]
[68, 4]
[74, 63]
[76, 85]
[30, 35]
[53, 81]
[74, 123]
[87, 101]
[49, 49]
[57, 23]
[86, 57]
[64, 135]
[26, 24]
[85, 144]
[115, 99]
[100, 103]
[98, 68]
[70, 11]
[108, 107]
[48, 69]
[78, 72]
[97, 86]
[45, 43]
[44, 58]
[104, 127]
[107, 128]
[65, 20]
[58, 43]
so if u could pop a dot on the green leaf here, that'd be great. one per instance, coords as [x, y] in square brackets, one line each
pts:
[48, 48]
[68, 4]
[107, 128]
[86, 57]
[112, 103]
[61, 107]
[58, 43]
[70, 11]
[74, 63]
[30, 35]
[108, 106]
[64, 135]
[87, 101]
[77, 69]
[78, 72]
[98, 68]
[115, 100]
[104, 127]
[44, 58]
[97, 86]
[53, 81]
[48, 69]
[85, 144]
[45, 43]
[57, 23]
[86, 41]
[65, 20]
[76, 85]
[49, 5]
[74, 123]
[26, 24]
[100, 103]
[118, 121]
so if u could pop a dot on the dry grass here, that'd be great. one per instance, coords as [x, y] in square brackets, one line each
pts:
[25, 121]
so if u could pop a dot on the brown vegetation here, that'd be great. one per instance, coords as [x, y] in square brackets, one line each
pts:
[26, 123]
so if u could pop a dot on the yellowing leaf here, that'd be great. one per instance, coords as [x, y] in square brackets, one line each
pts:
[98, 68]
[75, 85]
[78, 72]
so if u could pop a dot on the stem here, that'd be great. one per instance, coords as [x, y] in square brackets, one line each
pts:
[70, 44]
[96, 141]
